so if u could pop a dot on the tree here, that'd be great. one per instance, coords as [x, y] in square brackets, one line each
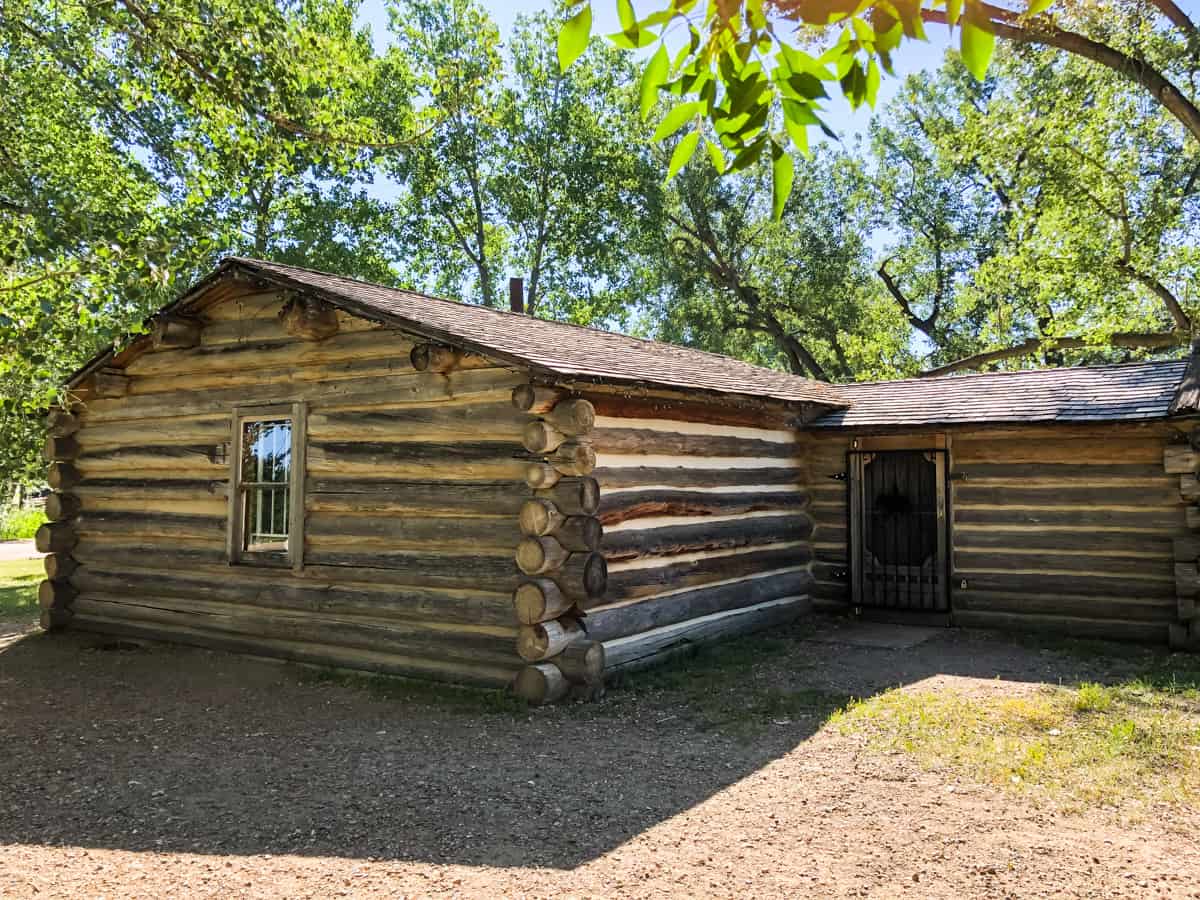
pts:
[528, 170]
[745, 71]
[1050, 210]
[798, 290]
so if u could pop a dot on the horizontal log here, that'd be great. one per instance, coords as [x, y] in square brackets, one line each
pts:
[56, 593]
[546, 639]
[59, 565]
[161, 525]
[652, 647]
[664, 443]
[1168, 519]
[582, 662]
[1092, 607]
[194, 460]
[538, 555]
[1038, 447]
[1041, 540]
[62, 476]
[61, 422]
[573, 496]
[572, 417]
[1189, 488]
[414, 532]
[60, 449]
[421, 569]
[1192, 517]
[410, 638]
[718, 535]
[493, 421]
[541, 437]
[583, 577]
[579, 533]
[743, 413]
[1010, 582]
[99, 492]
[627, 505]
[629, 584]
[430, 498]
[1180, 459]
[61, 507]
[1055, 473]
[174, 333]
[539, 517]
[108, 383]
[1187, 585]
[573, 458]
[1073, 626]
[56, 537]
[458, 671]
[611, 479]
[535, 399]
[1161, 493]
[539, 600]
[613, 622]
[542, 476]
[1099, 563]
[540, 684]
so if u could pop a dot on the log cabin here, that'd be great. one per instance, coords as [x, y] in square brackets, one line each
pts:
[297, 464]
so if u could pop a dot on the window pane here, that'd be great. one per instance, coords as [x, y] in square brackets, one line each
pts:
[266, 474]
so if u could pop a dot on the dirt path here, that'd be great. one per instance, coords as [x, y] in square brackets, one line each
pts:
[14, 550]
[174, 772]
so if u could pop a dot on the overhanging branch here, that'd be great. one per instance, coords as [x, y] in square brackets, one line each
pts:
[1153, 340]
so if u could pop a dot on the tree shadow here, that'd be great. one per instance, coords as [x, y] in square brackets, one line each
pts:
[109, 744]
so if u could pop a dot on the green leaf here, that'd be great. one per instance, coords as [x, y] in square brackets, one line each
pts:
[626, 15]
[953, 10]
[872, 87]
[1039, 6]
[652, 79]
[684, 151]
[978, 44]
[799, 135]
[676, 118]
[573, 37]
[632, 40]
[783, 172]
[717, 157]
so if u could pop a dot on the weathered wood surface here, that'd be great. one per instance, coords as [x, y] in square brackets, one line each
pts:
[613, 478]
[628, 583]
[610, 622]
[540, 684]
[626, 505]
[546, 639]
[539, 600]
[652, 647]
[722, 534]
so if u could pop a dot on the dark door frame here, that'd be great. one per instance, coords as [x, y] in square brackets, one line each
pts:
[856, 459]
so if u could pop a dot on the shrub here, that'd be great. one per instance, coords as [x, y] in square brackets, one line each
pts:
[17, 523]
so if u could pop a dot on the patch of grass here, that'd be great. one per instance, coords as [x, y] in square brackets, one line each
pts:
[392, 687]
[20, 524]
[18, 589]
[1086, 745]
[722, 687]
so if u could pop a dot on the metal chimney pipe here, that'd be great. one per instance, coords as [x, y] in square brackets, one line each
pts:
[516, 294]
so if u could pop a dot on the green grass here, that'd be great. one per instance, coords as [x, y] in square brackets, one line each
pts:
[20, 524]
[18, 589]
[1083, 745]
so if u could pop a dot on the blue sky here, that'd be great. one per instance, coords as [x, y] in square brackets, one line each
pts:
[912, 57]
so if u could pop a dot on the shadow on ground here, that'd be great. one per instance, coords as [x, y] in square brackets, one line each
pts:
[162, 748]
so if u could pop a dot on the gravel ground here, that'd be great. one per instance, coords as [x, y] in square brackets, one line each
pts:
[160, 771]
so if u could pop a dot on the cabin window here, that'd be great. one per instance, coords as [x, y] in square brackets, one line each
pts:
[267, 502]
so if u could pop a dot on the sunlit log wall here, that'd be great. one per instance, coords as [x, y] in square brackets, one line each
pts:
[414, 485]
[1075, 529]
[703, 514]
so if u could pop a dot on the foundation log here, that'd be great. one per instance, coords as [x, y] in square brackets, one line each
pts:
[56, 594]
[582, 662]
[60, 507]
[546, 639]
[535, 400]
[541, 684]
[539, 600]
[56, 619]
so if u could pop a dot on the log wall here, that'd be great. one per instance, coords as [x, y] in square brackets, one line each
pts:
[413, 488]
[705, 530]
[1060, 528]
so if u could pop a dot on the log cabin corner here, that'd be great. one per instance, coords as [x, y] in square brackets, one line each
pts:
[297, 464]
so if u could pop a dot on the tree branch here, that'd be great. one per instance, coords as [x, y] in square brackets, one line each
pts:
[1183, 321]
[923, 324]
[1154, 340]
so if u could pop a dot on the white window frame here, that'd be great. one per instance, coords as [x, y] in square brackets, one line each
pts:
[293, 557]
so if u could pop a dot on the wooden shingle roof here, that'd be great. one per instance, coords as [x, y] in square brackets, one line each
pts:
[1129, 391]
[555, 348]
